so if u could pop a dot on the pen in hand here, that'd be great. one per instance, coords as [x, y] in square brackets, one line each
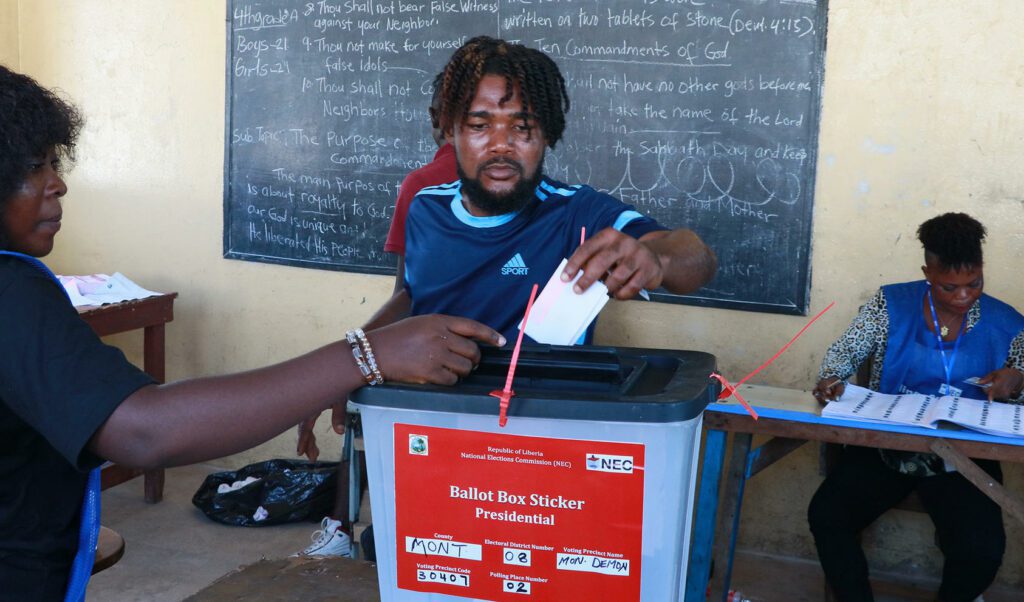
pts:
[825, 391]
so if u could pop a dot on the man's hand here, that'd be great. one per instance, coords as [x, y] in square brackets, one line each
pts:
[431, 349]
[625, 264]
[1006, 383]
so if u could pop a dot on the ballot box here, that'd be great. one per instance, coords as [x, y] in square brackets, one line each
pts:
[585, 494]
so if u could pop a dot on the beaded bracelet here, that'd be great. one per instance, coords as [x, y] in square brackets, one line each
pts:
[363, 354]
[370, 359]
[357, 353]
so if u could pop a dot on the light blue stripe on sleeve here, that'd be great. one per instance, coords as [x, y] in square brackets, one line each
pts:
[625, 218]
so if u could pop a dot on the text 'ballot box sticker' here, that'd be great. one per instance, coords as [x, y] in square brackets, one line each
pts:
[514, 514]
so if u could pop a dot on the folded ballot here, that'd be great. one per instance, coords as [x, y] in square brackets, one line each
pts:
[928, 411]
[559, 315]
[100, 289]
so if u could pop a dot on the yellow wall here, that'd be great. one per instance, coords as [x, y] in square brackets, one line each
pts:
[921, 115]
[9, 53]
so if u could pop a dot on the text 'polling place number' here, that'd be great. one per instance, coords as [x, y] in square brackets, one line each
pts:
[517, 587]
[517, 557]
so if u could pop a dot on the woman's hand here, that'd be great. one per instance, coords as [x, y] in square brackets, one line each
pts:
[306, 445]
[1006, 383]
[431, 349]
[425, 349]
[828, 389]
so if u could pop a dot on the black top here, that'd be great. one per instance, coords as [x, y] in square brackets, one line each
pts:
[58, 384]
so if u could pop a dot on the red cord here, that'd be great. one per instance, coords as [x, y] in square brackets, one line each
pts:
[505, 395]
[729, 390]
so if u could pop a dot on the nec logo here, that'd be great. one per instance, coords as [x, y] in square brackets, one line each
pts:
[605, 463]
[515, 266]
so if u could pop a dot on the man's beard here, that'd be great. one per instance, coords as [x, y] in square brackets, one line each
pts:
[502, 203]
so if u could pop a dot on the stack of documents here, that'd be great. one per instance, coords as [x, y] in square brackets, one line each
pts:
[928, 411]
[100, 289]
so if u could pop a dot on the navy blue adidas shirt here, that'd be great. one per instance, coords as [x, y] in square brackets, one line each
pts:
[483, 267]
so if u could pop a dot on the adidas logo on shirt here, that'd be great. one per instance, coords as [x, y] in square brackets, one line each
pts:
[515, 266]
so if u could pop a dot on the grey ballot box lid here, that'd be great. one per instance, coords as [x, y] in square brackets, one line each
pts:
[618, 384]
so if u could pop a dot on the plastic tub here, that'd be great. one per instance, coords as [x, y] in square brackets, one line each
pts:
[586, 494]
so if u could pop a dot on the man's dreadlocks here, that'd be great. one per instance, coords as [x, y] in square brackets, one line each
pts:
[532, 72]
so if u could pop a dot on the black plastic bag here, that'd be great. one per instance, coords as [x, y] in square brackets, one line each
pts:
[287, 491]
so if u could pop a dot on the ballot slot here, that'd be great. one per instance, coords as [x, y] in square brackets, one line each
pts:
[596, 369]
[600, 370]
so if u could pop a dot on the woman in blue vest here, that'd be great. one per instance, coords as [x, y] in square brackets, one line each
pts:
[926, 336]
[68, 402]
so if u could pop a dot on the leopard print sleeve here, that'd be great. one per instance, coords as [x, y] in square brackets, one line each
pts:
[866, 335]
[1015, 360]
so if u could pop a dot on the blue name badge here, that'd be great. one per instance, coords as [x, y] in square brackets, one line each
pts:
[945, 389]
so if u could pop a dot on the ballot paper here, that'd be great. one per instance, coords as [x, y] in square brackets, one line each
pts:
[928, 411]
[100, 289]
[560, 316]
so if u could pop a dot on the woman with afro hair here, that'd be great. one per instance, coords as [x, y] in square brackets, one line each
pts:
[68, 402]
[928, 337]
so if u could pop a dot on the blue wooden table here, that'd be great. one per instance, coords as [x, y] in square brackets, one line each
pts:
[792, 417]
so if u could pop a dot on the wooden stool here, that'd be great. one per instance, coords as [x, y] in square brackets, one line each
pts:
[109, 549]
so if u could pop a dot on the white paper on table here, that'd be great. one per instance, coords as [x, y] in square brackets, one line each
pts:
[100, 289]
[916, 409]
[560, 316]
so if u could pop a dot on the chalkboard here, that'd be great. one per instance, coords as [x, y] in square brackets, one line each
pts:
[702, 113]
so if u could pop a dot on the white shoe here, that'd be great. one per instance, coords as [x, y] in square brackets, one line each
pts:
[329, 540]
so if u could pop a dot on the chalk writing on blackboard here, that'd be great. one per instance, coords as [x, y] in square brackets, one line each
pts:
[701, 113]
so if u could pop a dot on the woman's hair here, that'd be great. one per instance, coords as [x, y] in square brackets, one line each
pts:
[32, 121]
[531, 71]
[954, 239]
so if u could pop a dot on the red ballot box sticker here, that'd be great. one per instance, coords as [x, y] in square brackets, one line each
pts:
[495, 516]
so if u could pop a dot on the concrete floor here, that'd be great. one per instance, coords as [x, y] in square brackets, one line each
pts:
[172, 550]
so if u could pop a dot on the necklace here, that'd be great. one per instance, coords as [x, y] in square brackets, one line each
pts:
[944, 331]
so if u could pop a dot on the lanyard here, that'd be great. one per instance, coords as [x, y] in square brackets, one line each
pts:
[946, 365]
